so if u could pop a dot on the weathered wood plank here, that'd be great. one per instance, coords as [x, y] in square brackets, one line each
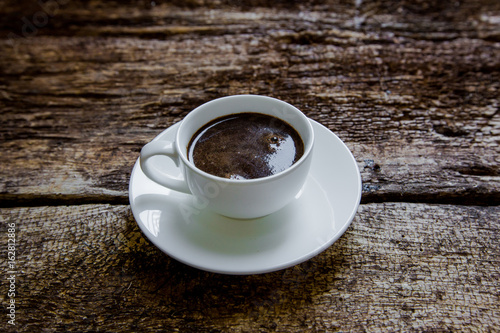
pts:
[420, 117]
[399, 267]
[429, 20]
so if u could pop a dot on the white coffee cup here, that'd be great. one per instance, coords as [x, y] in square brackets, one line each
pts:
[236, 198]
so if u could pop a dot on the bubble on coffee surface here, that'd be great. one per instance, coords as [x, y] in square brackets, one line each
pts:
[245, 146]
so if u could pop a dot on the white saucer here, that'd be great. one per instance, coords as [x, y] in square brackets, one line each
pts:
[315, 219]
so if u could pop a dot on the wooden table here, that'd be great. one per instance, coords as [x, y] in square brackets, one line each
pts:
[412, 88]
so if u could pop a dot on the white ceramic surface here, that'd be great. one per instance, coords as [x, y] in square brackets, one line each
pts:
[237, 198]
[189, 232]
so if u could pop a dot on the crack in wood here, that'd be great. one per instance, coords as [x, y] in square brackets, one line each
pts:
[369, 196]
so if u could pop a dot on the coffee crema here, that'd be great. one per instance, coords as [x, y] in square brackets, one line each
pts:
[245, 145]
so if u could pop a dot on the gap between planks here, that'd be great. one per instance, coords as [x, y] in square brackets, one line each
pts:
[13, 201]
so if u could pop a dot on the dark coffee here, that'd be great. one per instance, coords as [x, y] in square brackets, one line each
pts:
[245, 146]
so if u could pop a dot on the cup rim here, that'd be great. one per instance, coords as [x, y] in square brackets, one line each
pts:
[192, 166]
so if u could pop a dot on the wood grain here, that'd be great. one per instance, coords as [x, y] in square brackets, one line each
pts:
[412, 92]
[399, 267]
[412, 88]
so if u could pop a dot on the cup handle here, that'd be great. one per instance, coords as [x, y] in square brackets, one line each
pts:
[165, 148]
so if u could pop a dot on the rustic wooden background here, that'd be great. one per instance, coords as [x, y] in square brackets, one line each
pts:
[412, 87]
